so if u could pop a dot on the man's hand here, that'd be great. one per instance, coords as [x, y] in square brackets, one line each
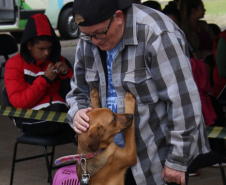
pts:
[50, 73]
[62, 68]
[170, 175]
[80, 121]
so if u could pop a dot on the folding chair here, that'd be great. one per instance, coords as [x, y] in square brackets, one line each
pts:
[41, 141]
[207, 160]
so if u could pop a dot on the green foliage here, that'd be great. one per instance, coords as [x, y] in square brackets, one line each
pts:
[215, 7]
[216, 12]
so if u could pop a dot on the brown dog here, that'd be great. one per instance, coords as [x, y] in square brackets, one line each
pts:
[110, 165]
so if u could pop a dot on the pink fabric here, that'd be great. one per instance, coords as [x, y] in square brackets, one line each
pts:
[202, 81]
[66, 175]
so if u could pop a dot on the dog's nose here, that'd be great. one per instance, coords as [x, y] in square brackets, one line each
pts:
[131, 116]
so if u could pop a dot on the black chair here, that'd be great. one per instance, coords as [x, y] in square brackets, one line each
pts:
[41, 141]
[44, 142]
[8, 46]
[207, 160]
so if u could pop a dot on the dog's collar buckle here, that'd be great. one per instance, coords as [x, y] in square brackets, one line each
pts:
[85, 175]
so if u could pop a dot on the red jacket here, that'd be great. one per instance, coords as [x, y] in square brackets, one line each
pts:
[24, 81]
[27, 88]
[202, 81]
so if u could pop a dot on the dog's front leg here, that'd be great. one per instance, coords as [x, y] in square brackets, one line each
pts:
[130, 144]
[95, 100]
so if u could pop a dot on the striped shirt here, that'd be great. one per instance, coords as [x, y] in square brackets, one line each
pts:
[153, 64]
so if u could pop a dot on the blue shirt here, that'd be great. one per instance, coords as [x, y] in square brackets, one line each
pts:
[111, 101]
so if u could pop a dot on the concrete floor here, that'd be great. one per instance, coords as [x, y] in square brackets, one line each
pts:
[28, 172]
[34, 172]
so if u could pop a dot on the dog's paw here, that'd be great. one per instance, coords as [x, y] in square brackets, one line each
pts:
[129, 102]
[94, 96]
[94, 93]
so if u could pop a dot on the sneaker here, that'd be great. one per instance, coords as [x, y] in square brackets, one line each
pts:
[217, 165]
[193, 174]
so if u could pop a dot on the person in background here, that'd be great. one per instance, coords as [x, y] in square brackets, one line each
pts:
[172, 12]
[130, 47]
[198, 33]
[39, 78]
[153, 4]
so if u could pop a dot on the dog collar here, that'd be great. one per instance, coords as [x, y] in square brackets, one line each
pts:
[76, 157]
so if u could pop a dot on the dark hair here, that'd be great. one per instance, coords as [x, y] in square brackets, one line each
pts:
[153, 4]
[176, 1]
[215, 28]
[36, 40]
[171, 9]
[186, 7]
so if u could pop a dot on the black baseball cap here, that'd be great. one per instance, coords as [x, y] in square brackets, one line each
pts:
[90, 12]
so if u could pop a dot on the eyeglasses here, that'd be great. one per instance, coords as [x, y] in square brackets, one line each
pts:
[102, 35]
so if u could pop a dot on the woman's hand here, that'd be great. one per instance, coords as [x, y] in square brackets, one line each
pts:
[80, 121]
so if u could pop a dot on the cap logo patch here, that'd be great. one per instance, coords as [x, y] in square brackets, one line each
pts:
[78, 19]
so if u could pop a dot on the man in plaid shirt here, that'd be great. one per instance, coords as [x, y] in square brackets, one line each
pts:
[151, 60]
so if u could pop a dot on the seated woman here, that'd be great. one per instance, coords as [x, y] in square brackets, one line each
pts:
[39, 77]
[198, 33]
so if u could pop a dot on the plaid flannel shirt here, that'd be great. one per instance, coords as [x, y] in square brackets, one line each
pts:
[152, 63]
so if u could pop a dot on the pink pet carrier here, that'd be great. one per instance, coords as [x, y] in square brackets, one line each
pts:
[66, 176]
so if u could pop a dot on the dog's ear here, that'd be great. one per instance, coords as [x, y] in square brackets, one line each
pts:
[94, 133]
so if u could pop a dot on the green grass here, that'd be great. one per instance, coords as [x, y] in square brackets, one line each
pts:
[216, 12]
[215, 7]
